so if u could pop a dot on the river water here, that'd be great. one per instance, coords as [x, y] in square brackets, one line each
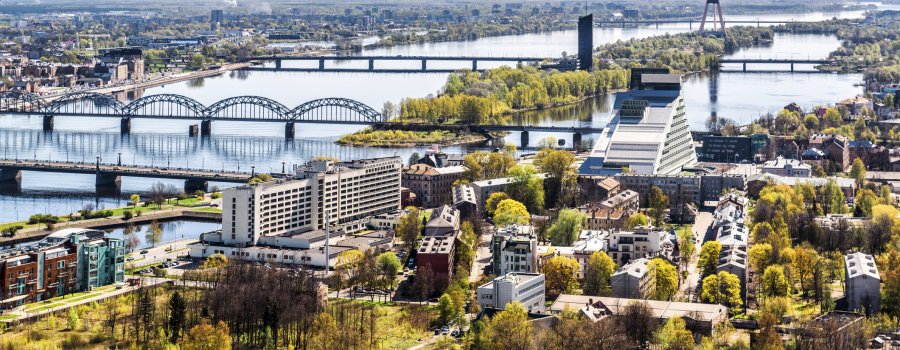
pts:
[240, 145]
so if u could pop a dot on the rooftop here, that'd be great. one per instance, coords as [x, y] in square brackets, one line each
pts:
[860, 265]
[661, 309]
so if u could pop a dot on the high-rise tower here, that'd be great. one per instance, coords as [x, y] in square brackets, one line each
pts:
[586, 42]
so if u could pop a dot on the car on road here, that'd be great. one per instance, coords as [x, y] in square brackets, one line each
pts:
[144, 251]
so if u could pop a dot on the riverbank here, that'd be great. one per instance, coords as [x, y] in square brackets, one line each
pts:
[399, 138]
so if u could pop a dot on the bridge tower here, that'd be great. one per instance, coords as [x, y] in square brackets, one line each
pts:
[718, 24]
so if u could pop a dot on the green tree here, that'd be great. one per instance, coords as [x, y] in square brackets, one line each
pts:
[72, 320]
[858, 172]
[526, 187]
[657, 203]
[510, 329]
[135, 199]
[722, 288]
[177, 306]
[215, 260]
[389, 265]
[774, 283]
[665, 279]
[510, 211]
[409, 227]
[674, 335]
[154, 234]
[567, 228]
[865, 200]
[491, 203]
[635, 220]
[561, 275]
[709, 257]
[597, 274]
[760, 256]
[686, 246]
[562, 176]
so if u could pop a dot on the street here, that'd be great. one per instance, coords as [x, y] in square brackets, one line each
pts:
[482, 257]
[701, 226]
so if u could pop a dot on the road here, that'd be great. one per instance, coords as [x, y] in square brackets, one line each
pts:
[701, 226]
[482, 257]
[160, 253]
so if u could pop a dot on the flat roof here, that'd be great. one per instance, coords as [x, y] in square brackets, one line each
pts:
[660, 308]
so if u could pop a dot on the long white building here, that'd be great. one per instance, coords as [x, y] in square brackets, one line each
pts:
[291, 213]
[526, 288]
[648, 131]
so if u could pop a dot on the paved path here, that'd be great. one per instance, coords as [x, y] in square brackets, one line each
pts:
[701, 226]
[482, 257]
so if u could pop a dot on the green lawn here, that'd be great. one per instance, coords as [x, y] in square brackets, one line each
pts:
[207, 210]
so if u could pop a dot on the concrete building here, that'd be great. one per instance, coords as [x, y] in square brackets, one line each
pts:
[786, 167]
[431, 185]
[286, 218]
[648, 132]
[862, 283]
[632, 280]
[526, 288]
[465, 201]
[755, 183]
[444, 221]
[683, 191]
[514, 249]
[641, 242]
[586, 43]
[484, 188]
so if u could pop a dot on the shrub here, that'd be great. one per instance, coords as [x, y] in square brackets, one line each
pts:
[127, 215]
[158, 272]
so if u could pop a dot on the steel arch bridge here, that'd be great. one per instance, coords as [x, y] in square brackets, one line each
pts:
[173, 106]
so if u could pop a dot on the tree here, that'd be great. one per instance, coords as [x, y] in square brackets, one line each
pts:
[709, 257]
[388, 265]
[157, 193]
[858, 172]
[208, 337]
[558, 165]
[154, 234]
[686, 246]
[131, 239]
[526, 187]
[346, 267]
[885, 224]
[674, 335]
[561, 275]
[774, 283]
[635, 220]
[567, 227]
[215, 260]
[72, 320]
[177, 306]
[510, 328]
[806, 259]
[657, 203]
[597, 273]
[510, 211]
[665, 279]
[889, 264]
[760, 256]
[135, 199]
[722, 288]
[491, 203]
[414, 158]
[639, 321]
[409, 227]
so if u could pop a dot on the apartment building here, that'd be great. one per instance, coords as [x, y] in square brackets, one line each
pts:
[642, 242]
[632, 280]
[588, 243]
[526, 288]
[862, 283]
[612, 212]
[514, 249]
[787, 167]
[432, 185]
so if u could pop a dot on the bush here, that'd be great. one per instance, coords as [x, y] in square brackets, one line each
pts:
[42, 219]
[158, 272]
[216, 195]
[127, 215]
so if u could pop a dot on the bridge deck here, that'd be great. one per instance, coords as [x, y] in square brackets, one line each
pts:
[124, 170]
[399, 58]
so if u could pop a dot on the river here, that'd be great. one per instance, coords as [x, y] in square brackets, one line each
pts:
[237, 145]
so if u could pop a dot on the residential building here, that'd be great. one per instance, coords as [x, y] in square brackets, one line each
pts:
[755, 183]
[833, 148]
[612, 212]
[444, 221]
[631, 280]
[862, 283]
[588, 243]
[439, 159]
[832, 330]
[641, 242]
[683, 191]
[855, 105]
[598, 188]
[484, 188]
[432, 185]
[733, 259]
[702, 318]
[514, 249]
[101, 260]
[436, 253]
[648, 132]
[786, 167]
[526, 288]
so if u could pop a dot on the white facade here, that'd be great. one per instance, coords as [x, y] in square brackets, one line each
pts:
[514, 249]
[526, 288]
[862, 283]
[787, 167]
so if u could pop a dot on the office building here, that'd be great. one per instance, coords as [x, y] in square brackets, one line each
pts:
[648, 132]
[215, 19]
[586, 43]
[862, 283]
[526, 288]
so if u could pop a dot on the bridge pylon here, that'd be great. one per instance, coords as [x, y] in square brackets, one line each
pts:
[206, 127]
[125, 126]
[48, 122]
[290, 131]
[718, 24]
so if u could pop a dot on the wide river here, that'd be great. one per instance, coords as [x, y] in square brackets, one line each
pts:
[236, 145]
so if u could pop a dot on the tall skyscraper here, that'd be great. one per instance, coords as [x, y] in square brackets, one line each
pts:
[586, 42]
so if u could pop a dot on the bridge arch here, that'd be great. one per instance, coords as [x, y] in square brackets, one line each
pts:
[166, 105]
[20, 101]
[330, 110]
[85, 103]
[248, 107]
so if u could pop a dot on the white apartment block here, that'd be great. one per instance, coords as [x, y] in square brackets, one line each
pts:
[642, 242]
[526, 288]
[514, 249]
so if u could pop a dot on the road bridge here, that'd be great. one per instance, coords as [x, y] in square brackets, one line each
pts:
[745, 61]
[423, 60]
[689, 21]
[109, 176]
